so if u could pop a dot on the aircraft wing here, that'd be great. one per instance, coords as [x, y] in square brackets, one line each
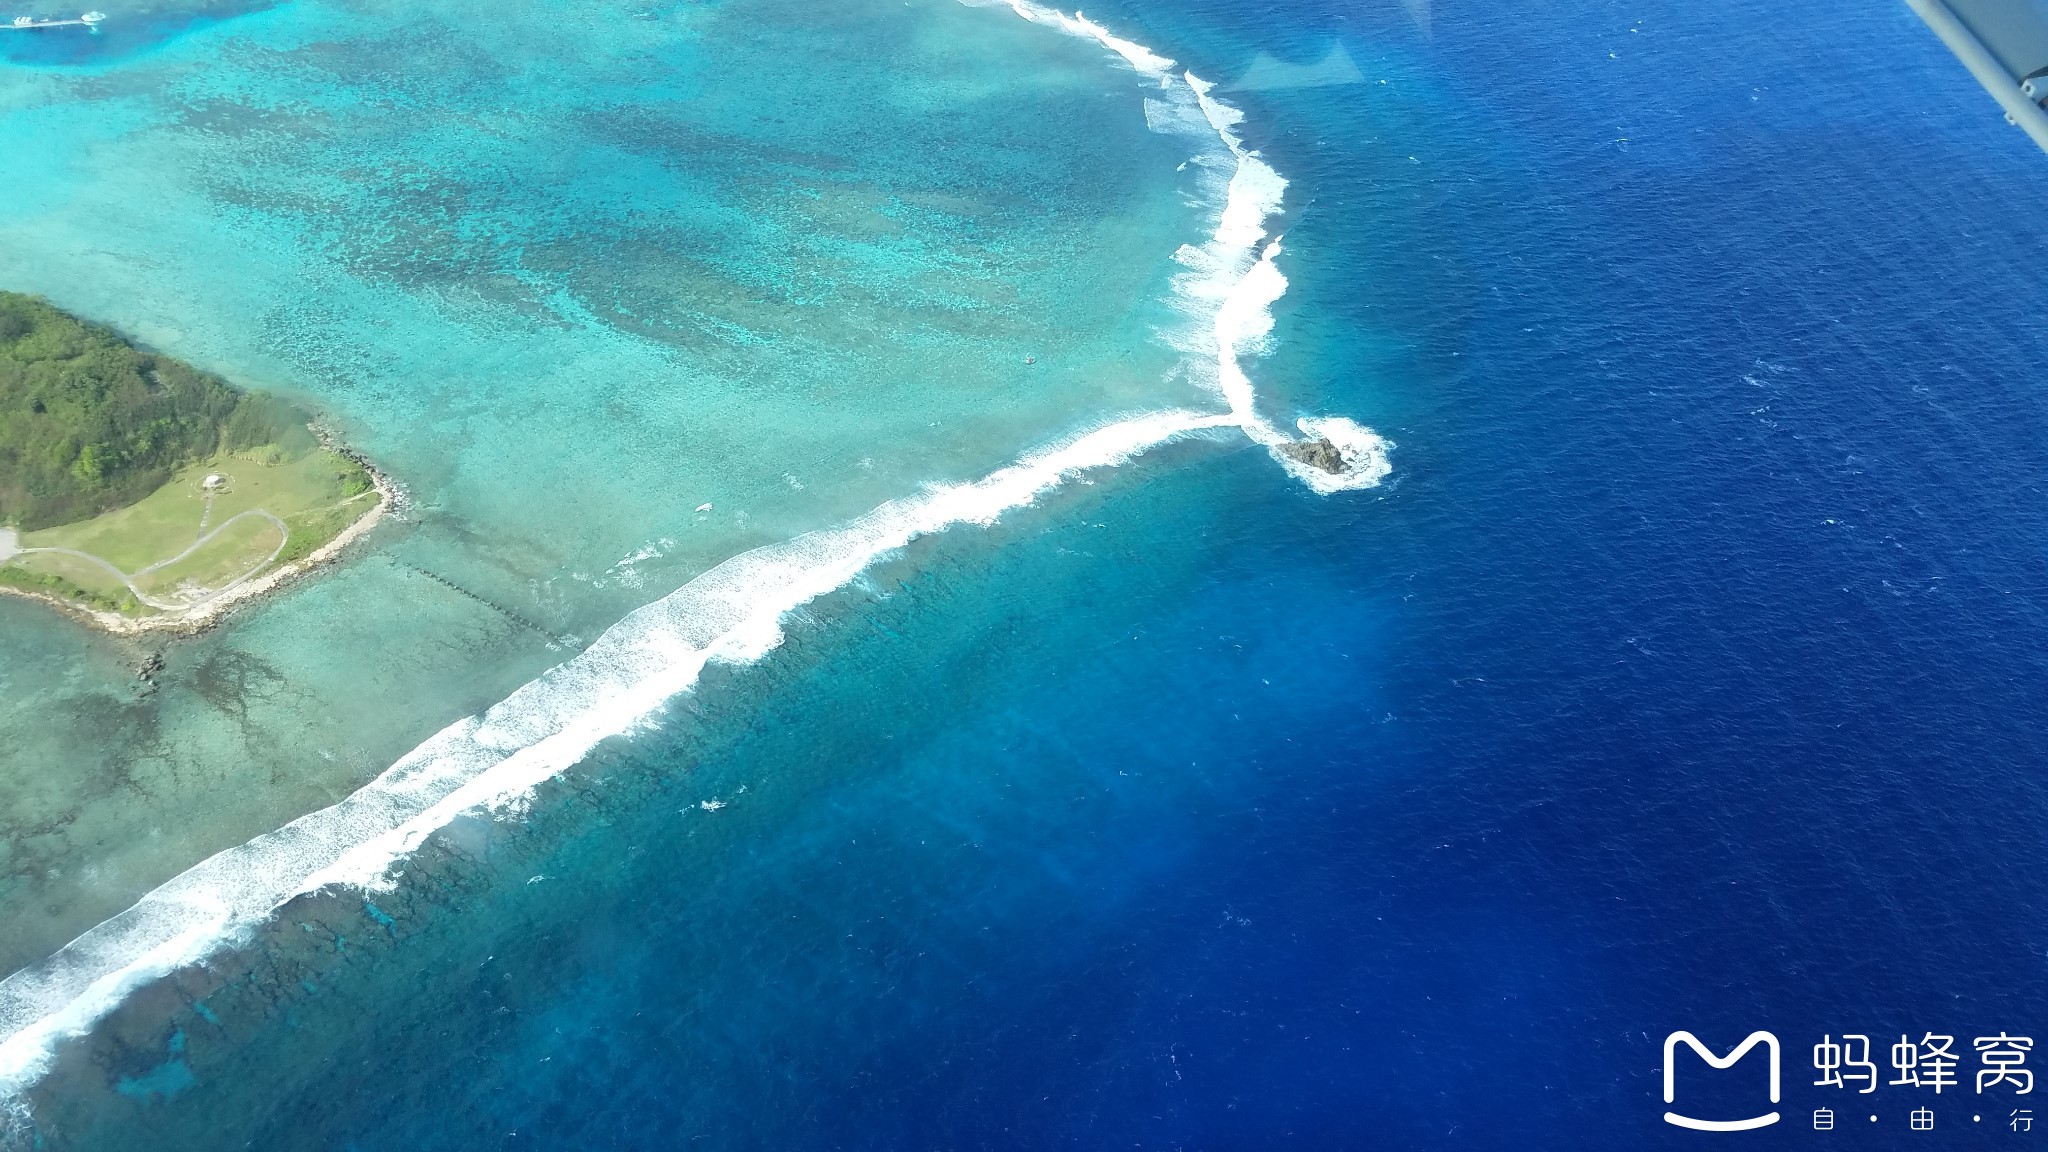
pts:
[2004, 44]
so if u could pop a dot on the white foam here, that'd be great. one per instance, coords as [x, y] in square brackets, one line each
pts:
[1243, 320]
[1232, 280]
[732, 613]
[1255, 188]
[1137, 55]
[1364, 452]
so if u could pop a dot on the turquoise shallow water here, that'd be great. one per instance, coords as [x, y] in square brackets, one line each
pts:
[1685, 675]
[634, 960]
[569, 272]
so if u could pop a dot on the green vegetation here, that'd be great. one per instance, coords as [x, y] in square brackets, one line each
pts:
[166, 521]
[186, 541]
[50, 583]
[89, 423]
[132, 483]
[316, 526]
[238, 549]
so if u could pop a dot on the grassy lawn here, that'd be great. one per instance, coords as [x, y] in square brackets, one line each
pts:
[70, 577]
[237, 550]
[316, 526]
[92, 491]
[316, 493]
[166, 522]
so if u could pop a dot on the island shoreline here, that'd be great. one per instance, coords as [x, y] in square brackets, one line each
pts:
[205, 616]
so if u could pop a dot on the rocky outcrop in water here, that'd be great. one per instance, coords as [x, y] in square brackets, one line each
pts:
[1317, 453]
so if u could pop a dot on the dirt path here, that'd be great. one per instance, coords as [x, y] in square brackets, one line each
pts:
[8, 541]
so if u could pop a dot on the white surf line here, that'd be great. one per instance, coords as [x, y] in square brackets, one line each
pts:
[732, 614]
[1232, 281]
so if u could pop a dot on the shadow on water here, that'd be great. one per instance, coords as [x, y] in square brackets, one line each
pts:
[127, 30]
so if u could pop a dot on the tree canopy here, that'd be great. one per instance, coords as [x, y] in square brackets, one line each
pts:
[89, 423]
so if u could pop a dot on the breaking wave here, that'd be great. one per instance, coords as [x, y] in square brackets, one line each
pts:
[732, 614]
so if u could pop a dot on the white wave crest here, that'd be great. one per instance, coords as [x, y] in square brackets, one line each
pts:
[732, 613]
[1145, 60]
[1364, 452]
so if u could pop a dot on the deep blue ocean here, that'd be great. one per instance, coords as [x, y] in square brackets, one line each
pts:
[1687, 674]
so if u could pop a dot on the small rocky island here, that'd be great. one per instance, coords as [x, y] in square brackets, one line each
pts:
[1316, 453]
[139, 493]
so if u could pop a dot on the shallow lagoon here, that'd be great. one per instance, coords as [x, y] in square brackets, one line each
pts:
[1688, 673]
[568, 273]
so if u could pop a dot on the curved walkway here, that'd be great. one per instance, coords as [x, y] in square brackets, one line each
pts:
[128, 581]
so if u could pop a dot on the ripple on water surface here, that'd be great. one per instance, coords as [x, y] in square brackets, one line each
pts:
[615, 294]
